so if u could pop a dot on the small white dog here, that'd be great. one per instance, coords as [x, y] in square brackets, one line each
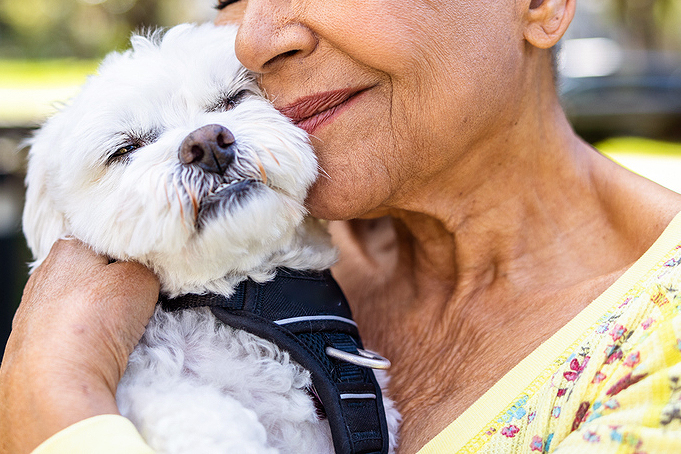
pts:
[171, 157]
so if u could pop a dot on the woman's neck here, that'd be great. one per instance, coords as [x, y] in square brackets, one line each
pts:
[532, 203]
[544, 232]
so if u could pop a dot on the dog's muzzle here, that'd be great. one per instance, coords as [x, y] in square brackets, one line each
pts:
[210, 147]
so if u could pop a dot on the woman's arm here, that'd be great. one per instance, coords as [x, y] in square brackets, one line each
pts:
[79, 319]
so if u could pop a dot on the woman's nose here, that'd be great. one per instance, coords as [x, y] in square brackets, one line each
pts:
[270, 33]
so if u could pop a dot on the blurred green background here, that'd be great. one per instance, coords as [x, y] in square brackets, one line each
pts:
[47, 49]
[619, 73]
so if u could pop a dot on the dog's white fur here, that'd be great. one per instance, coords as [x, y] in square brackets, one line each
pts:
[192, 384]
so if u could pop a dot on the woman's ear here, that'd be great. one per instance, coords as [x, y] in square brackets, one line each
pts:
[547, 20]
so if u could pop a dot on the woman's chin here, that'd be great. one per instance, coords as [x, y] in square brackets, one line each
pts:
[337, 202]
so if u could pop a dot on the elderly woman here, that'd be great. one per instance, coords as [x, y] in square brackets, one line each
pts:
[524, 286]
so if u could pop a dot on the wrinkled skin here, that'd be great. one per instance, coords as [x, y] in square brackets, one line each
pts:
[497, 208]
[71, 337]
[459, 137]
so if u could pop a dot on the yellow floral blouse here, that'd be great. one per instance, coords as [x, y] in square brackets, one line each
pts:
[609, 382]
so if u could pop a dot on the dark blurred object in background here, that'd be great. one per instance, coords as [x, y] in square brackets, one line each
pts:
[620, 69]
[14, 254]
[648, 24]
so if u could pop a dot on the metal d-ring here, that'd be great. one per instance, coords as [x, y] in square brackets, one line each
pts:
[364, 359]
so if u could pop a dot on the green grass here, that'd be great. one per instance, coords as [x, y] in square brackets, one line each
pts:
[639, 145]
[42, 73]
[59, 73]
[30, 88]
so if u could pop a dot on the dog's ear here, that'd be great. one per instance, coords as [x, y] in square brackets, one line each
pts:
[42, 223]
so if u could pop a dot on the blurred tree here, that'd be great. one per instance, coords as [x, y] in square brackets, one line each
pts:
[84, 28]
[647, 23]
[146, 13]
[90, 28]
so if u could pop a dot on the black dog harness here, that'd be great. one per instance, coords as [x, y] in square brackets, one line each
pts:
[307, 314]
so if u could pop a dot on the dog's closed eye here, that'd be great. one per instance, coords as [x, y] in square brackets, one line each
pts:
[228, 101]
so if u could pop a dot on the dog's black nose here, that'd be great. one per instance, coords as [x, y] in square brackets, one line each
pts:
[209, 147]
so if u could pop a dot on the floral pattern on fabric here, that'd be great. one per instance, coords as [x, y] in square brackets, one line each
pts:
[617, 389]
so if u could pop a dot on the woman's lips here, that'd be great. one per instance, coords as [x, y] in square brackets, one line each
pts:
[311, 112]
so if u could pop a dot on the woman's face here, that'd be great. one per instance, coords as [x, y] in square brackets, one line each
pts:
[393, 92]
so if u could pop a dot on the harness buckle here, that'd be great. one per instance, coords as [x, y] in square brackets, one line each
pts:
[372, 360]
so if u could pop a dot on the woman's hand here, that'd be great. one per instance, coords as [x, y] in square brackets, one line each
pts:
[79, 319]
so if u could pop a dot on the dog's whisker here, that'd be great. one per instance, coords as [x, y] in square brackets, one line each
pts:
[179, 199]
[323, 173]
[272, 155]
[174, 181]
[195, 204]
[263, 174]
[283, 144]
[194, 201]
[265, 94]
[237, 160]
[165, 191]
[191, 193]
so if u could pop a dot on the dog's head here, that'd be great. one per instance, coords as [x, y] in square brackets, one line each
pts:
[169, 156]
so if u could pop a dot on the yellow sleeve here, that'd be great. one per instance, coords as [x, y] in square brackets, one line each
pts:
[104, 434]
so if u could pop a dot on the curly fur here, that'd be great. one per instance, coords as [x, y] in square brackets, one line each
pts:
[193, 385]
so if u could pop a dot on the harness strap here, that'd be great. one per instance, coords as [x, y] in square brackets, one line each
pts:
[305, 313]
